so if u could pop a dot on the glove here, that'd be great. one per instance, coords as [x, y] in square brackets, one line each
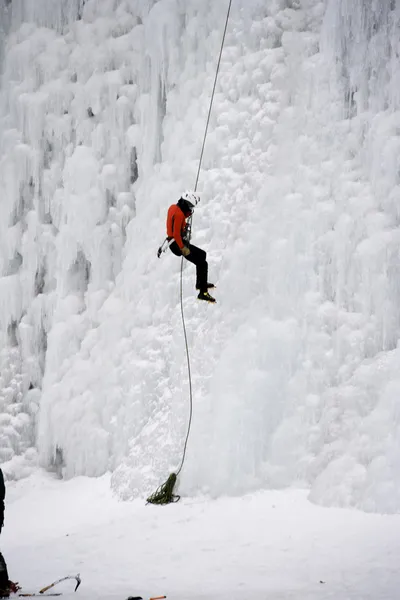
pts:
[13, 587]
[185, 251]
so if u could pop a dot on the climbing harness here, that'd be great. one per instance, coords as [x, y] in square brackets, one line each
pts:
[164, 493]
[187, 234]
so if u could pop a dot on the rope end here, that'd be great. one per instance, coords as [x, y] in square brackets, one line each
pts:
[164, 493]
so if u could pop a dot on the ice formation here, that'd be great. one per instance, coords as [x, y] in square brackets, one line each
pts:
[295, 370]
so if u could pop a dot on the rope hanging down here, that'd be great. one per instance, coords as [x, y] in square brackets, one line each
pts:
[165, 493]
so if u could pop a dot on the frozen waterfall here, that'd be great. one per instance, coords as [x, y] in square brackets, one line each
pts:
[297, 368]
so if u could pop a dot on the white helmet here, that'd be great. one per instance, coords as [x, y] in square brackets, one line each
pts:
[192, 198]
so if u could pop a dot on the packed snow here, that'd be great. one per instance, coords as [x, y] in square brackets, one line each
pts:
[296, 369]
[272, 544]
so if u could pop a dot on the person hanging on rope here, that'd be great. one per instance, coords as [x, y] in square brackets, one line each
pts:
[178, 236]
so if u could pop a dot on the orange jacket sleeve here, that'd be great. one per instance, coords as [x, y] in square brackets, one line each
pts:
[175, 224]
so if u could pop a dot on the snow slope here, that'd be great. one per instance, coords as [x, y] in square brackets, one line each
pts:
[264, 545]
[296, 368]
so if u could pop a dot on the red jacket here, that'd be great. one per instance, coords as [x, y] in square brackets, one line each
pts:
[176, 223]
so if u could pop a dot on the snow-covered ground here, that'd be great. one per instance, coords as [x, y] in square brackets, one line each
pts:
[266, 545]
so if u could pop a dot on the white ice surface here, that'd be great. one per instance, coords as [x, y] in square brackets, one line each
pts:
[267, 545]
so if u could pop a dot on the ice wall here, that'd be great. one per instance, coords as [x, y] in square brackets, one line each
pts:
[45, 13]
[103, 108]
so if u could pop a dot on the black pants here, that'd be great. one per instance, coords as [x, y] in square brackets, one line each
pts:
[3, 574]
[198, 257]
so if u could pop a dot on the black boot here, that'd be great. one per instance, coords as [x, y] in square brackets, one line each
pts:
[206, 296]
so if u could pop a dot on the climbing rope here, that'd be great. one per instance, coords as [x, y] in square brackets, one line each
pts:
[164, 494]
[213, 94]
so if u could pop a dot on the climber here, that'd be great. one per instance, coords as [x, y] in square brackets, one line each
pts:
[178, 237]
[6, 586]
